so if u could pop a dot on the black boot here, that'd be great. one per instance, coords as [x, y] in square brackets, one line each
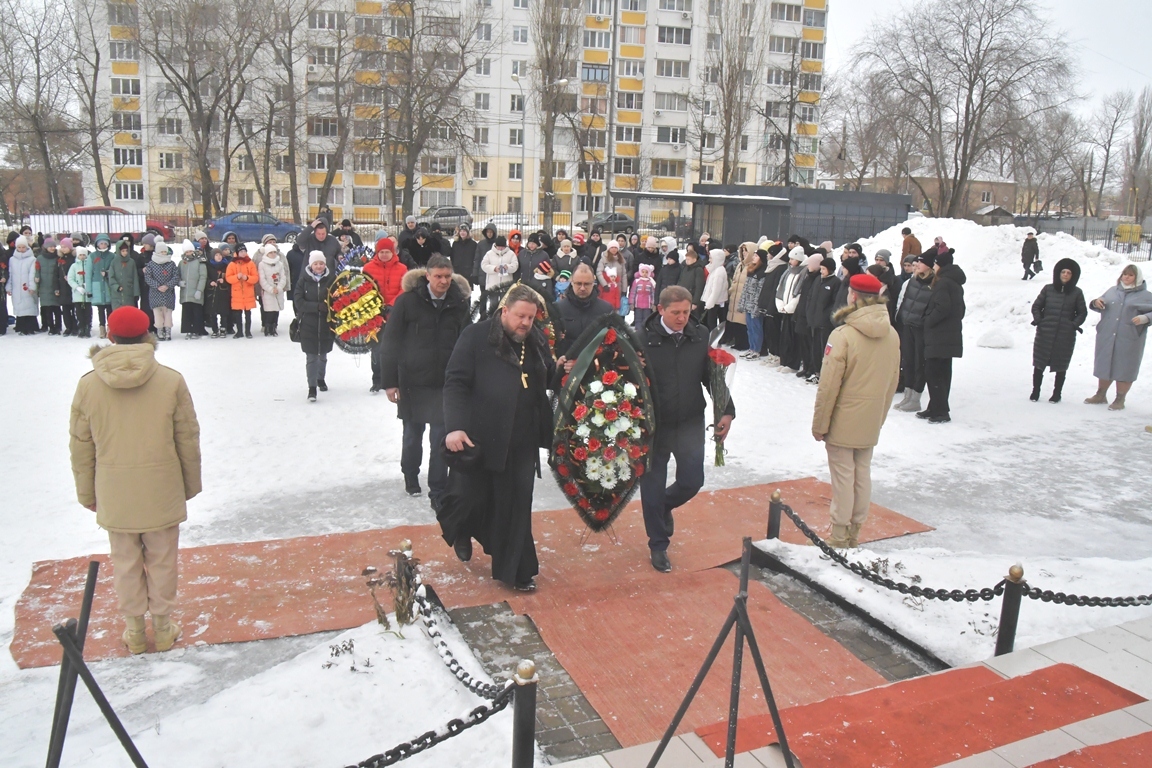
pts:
[311, 394]
[1037, 381]
[463, 548]
[1058, 388]
[321, 385]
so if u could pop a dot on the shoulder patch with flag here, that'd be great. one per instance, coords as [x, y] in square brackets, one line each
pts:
[827, 349]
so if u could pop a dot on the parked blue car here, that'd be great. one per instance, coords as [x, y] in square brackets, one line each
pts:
[251, 226]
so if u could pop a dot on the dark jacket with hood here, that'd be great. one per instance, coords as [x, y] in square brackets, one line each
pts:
[419, 254]
[417, 342]
[310, 303]
[576, 314]
[819, 308]
[679, 375]
[775, 268]
[306, 242]
[1058, 313]
[693, 278]
[669, 274]
[1030, 250]
[944, 315]
[464, 257]
[851, 267]
[652, 258]
[807, 291]
[483, 245]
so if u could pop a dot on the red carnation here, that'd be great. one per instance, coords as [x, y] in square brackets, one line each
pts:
[601, 515]
[584, 504]
[626, 406]
[580, 454]
[593, 444]
[637, 412]
[610, 337]
[638, 469]
[635, 452]
[610, 378]
[563, 470]
[580, 411]
[609, 453]
[720, 357]
[611, 414]
[621, 440]
[561, 450]
[570, 489]
[599, 405]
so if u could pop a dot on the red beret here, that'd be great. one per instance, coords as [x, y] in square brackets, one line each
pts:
[865, 283]
[385, 244]
[127, 323]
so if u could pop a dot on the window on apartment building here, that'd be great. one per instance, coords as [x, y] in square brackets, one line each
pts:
[776, 110]
[322, 55]
[171, 195]
[520, 68]
[122, 50]
[128, 156]
[776, 141]
[593, 106]
[628, 133]
[741, 175]
[515, 204]
[631, 68]
[707, 173]
[171, 161]
[480, 135]
[170, 126]
[521, 4]
[366, 129]
[599, 7]
[367, 94]
[629, 100]
[516, 137]
[517, 102]
[479, 203]
[786, 12]
[715, 41]
[595, 139]
[626, 166]
[442, 133]
[780, 77]
[985, 196]
[323, 126]
[322, 93]
[712, 75]
[326, 20]
[674, 35]
[594, 38]
[366, 162]
[743, 142]
[319, 161]
[676, 5]
[559, 169]
[708, 141]
[282, 164]
[668, 135]
[369, 25]
[438, 165]
[399, 26]
[282, 198]
[633, 5]
[515, 171]
[484, 3]
[367, 196]
[484, 67]
[780, 44]
[805, 176]
[479, 169]
[806, 113]
[590, 203]
[811, 82]
[129, 191]
[520, 34]
[244, 163]
[484, 32]
[673, 102]
[632, 35]
[482, 101]
[126, 121]
[125, 86]
[811, 50]
[335, 196]
[122, 14]
[371, 60]
[673, 168]
[814, 18]
[671, 68]
[245, 198]
[442, 26]
[596, 171]
[595, 73]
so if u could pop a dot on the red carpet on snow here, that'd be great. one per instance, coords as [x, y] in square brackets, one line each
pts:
[1133, 752]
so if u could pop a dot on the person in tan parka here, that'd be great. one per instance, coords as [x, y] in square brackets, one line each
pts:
[135, 449]
[858, 378]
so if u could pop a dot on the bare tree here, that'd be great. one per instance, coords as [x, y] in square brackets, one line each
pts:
[971, 65]
[1044, 152]
[1138, 158]
[88, 57]
[1111, 120]
[735, 59]
[780, 114]
[862, 107]
[556, 27]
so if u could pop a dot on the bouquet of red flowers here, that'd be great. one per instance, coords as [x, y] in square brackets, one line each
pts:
[604, 424]
[721, 369]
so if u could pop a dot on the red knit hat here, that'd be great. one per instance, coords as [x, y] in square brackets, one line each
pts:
[127, 323]
[865, 283]
[385, 244]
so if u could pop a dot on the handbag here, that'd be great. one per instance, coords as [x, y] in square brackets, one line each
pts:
[294, 330]
[1037, 266]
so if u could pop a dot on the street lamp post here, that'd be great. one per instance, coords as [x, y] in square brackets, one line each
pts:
[524, 132]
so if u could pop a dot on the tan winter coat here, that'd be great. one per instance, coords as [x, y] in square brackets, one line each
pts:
[858, 377]
[135, 441]
[736, 288]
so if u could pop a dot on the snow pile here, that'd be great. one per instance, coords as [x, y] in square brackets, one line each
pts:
[963, 633]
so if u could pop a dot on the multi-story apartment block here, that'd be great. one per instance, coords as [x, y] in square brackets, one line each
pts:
[644, 102]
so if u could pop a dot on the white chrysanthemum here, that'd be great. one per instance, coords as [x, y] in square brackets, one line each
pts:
[594, 462]
[635, 432]
[592, 474]
[608, 397]
[598, 419]
[583, 430]
[623, 424]
[629, 390]
[596, 387]
[608, 483]
[624, 471]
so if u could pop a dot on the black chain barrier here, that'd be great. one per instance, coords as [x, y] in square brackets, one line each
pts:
[430, 739]
[1048, 596]
[481, 689]
[959, 595]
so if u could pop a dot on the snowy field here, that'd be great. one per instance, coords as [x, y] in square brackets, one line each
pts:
[1064, 489]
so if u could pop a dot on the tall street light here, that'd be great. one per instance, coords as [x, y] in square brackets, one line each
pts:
[524, 132]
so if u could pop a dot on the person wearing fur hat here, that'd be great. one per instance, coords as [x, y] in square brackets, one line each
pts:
[65, 258]
[218, 306]
[243, 278]
[910, 315]
[98, 262]
[943, 335]
[162, 276]
[310, 303]
[1058, 314]
[388, 272]
[77, 280]
[275, 283]
[193, 284]
[347, 230]
[423, 326]
[48, 287]
[859, 375]
[123, 282]
[135, 455]
[265, 241]
[21, 286]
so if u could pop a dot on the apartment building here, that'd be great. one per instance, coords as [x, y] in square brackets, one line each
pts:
[647, 112]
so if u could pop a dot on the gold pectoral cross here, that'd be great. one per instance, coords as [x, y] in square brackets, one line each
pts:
[523, 373]
[524, 380]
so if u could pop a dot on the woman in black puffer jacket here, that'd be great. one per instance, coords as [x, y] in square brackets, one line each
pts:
[1058, 313]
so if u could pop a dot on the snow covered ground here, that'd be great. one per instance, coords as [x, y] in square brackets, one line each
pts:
[1008, 479]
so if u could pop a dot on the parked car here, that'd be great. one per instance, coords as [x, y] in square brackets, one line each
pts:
[152, 226]
[446, 217]
[250, 227]
[609, 222]
[506, 222]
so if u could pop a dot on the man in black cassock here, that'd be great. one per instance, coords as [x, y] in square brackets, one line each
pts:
[495, 401]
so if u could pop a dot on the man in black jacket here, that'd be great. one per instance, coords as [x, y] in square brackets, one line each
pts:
[464, 254]
[578, 307]
[423, 326]
[346, 229]
[676, 349]
[496, 400]
[420, 248]
[943, 336]
[316, 238]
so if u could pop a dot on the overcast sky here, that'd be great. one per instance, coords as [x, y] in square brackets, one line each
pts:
[1109, 38]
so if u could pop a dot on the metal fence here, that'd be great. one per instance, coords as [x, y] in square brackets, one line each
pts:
[840, 229]
[1121, 237]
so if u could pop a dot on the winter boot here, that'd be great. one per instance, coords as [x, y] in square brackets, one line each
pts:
[1056, 390]
[1118, 403]
[166, 632]
[311, 394]
[1037, 382]
[913, 403]
[854, 534]
[103, 332]
[321, 385]
[133, 636]
[840, 538]
[907, 396]
[1099, 398]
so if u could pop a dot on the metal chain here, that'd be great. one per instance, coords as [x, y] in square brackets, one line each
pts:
[1048, 596]
[959, 595]
[481, 689]
[454, 727]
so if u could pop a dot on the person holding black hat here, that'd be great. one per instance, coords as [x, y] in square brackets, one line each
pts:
[317, 238]
[858, 377]
[943, 335]
[910, 309]
[420, 248]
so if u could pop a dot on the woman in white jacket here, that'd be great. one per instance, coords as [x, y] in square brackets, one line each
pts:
[715, 288]
[275, 283]
[499, 265]
[787, 299]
